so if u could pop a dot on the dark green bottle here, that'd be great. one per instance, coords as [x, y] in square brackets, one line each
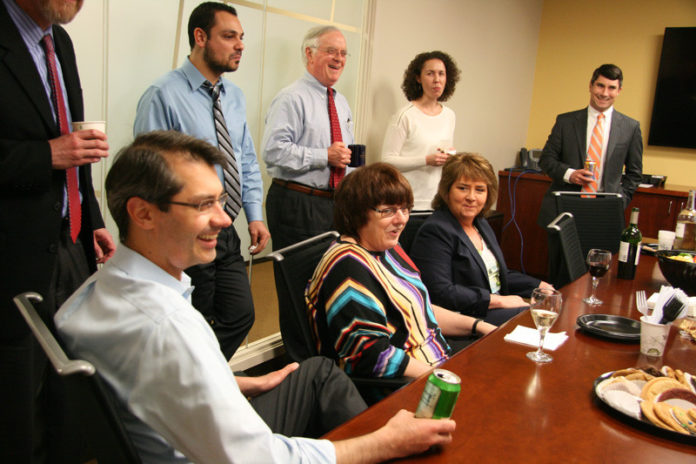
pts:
[629, 248]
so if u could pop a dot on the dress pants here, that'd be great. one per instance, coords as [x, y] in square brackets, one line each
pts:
[295, 216]
[36, 424]
[222, 293]
[311, 401]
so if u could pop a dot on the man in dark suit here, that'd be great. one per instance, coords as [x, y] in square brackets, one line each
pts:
[618, 144]
[37, 249]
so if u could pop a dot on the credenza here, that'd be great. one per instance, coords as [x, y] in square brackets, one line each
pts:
[524, 243]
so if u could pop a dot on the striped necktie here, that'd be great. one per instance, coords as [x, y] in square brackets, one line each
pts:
[74, 206]
[594, 153]
[336, 173]
[229, 169]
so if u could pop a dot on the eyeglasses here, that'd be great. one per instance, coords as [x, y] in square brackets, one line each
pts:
[204, 205]
[334, 52]
[390, 212]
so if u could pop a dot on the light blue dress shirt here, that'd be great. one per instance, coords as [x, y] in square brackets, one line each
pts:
[177, 101]
[298, 132]
[176, 393]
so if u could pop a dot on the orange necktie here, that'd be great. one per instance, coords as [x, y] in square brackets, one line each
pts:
[594, 153]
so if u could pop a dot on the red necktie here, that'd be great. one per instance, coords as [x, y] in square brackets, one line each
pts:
[336, 173]
[594, 153]
[74, 206]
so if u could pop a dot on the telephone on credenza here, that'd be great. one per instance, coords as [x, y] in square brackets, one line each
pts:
[528, 160]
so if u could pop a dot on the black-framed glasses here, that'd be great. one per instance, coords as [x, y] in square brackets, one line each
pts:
[204, 205]
[334, 52]
[390, 212]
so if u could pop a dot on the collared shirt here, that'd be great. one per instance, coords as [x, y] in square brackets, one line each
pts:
[176, 393]
[298, 132]
[178, 101]
[606, 129]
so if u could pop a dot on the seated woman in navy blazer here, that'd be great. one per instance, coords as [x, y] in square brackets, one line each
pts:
[457, 253]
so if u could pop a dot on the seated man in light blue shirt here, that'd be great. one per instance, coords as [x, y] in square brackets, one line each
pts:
[301, 150]
[177, 396]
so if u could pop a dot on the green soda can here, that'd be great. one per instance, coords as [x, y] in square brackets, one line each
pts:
[439, 395]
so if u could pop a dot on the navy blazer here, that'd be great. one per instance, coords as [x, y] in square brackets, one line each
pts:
[566, 148]
[453, 270]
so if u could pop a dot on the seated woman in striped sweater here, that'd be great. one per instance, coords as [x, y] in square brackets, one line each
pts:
[369, 307]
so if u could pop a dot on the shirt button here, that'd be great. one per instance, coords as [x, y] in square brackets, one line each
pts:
[53, 248]
[57, 206]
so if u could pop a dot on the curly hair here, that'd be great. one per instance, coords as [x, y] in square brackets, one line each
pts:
[470, 166]
[413, 89]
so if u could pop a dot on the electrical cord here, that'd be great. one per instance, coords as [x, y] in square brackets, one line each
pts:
[512, 199]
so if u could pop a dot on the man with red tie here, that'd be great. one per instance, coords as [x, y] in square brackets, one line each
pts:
[309, 126]
[51, 231]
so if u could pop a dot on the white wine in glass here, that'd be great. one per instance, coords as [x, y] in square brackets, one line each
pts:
[545, 306]
[598, 261]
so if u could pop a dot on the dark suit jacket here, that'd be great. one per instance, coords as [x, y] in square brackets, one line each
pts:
[566, 148]
[31, 196]
[452, 268]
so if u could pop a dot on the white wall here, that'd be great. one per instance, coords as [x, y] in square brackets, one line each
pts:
[494, 43]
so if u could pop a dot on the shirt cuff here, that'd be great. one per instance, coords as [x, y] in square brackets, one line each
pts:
[566, 176]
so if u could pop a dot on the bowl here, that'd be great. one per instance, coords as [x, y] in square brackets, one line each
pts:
[679, 274]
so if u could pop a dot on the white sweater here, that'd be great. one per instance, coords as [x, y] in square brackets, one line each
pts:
[410, 137]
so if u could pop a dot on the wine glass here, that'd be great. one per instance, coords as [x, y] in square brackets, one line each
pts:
[598, 260]
[545, 306]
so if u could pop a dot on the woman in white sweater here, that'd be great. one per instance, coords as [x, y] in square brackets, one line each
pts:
[420, 135]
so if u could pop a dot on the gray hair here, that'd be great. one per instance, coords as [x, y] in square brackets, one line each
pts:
[311, 39]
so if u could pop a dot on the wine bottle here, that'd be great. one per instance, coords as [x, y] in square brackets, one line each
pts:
[685, 232]
[629, 248]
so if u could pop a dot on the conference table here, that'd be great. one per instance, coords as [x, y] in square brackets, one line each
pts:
[513, 410]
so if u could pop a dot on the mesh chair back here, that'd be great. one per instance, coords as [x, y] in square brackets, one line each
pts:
[293, 267]
[415, 221]
[599, 220]
[87, 395]
[566, 258]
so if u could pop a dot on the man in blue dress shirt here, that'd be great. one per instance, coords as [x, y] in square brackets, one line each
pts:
[175, 392]
[299, 149]
[180, 101]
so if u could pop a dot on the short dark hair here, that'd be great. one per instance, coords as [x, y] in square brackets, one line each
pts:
[203, 16]
[141, 170]
[470, 166]
[412, 88]
[610, 71]
[365, 188]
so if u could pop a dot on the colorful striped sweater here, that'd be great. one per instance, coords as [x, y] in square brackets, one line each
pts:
[372, 311]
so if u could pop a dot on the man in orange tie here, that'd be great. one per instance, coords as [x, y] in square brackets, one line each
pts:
[597, 133]
[308, 129]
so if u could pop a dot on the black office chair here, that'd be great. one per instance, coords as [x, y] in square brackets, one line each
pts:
[293, 266]
[599, 219]
[566, 258]
[86, 393]
[415, 221]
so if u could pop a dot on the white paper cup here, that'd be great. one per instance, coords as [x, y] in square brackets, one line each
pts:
[653, 337]
[84, 125]
[665, 239]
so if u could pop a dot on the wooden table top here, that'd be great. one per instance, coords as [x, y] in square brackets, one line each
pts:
[514, 410]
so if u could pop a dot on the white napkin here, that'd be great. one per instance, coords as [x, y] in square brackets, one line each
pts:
[529, 336]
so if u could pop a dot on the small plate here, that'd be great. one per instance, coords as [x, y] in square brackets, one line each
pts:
[611, 327]
[641, 423]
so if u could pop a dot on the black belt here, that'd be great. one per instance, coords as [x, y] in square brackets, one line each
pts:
[307, 190]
